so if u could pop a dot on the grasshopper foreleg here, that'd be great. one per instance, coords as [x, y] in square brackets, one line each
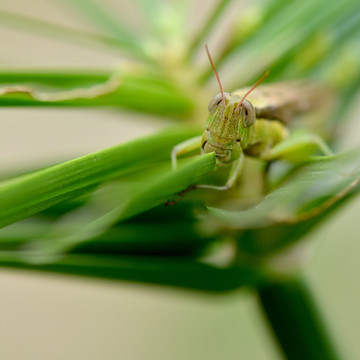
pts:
[234, 174]
[184, 147]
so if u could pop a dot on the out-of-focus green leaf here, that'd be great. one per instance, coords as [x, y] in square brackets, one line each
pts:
[173, 239]
[166, 23]
[106, 20]
[141, 92]
[50, 29]
[209, 24]
[170, 238]
[312, 190]
[175, 272]
[267, 240]
[142, 192]
[316, 48]
[247, 24]
[287, 28]
[288, 212]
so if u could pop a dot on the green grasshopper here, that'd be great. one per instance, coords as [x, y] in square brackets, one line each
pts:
[253, 125]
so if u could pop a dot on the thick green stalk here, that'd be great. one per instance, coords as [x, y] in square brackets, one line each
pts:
[296, 321]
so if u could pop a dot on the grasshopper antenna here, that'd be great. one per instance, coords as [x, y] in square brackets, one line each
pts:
[262, 78]
[216, 74]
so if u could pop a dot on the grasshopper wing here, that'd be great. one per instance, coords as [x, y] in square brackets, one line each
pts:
[282, 101]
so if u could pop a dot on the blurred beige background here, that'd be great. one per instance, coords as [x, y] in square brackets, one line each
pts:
[56, 317]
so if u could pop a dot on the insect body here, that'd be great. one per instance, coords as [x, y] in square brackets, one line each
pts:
[253, 125]
[232, 130]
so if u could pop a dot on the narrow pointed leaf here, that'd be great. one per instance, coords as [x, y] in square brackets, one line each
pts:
[315, 188]
[118, 203]
[50, 29]
[183, 273]
[98, 14]
[138, 91]
[29, 194]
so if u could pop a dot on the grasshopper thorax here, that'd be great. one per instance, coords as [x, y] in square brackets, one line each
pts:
[227, 128]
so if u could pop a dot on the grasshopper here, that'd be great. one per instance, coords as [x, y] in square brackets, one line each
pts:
[253, 122]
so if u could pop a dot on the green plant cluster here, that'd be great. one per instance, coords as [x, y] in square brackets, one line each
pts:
[122, 213]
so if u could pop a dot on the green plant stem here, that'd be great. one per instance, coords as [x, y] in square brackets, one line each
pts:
[295, 321]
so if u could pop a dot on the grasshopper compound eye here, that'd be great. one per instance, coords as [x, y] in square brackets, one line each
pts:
[248, 112]
[215, 101]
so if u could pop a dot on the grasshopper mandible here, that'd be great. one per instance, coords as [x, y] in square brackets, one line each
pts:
[256, 126]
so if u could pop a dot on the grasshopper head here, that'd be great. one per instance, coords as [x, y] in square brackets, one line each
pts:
[244, 113]
[226, 132]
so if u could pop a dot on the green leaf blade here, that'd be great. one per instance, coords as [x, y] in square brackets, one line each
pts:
[29, 194]
[139, 91]
[181, 273]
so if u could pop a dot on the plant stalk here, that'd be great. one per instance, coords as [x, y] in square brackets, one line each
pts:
[295, 321]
